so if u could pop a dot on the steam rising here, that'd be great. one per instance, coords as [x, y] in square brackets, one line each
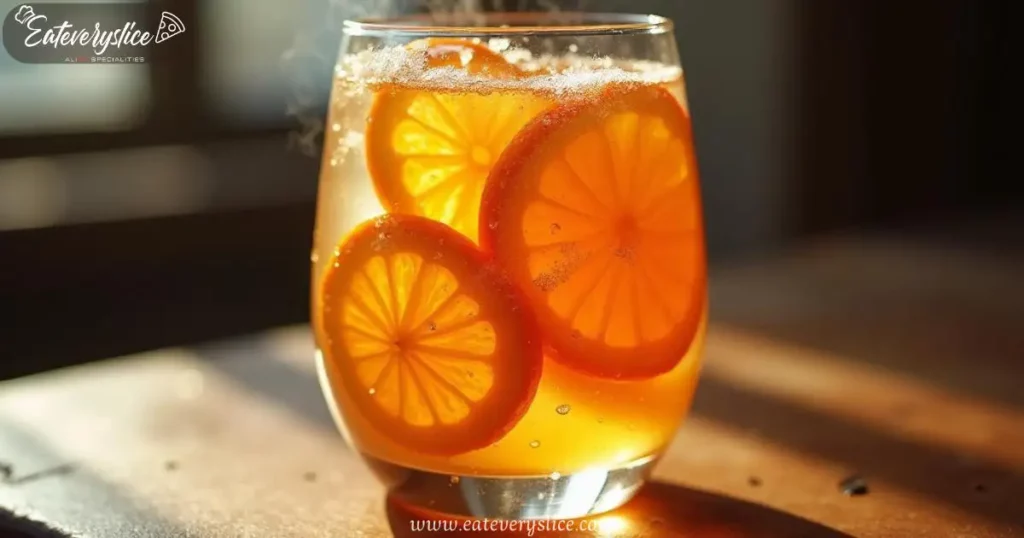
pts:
[309, 64]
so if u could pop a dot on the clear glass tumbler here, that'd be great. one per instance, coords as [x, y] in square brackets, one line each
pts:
[509, 293]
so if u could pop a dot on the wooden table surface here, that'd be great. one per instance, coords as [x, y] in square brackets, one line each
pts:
[902, 362]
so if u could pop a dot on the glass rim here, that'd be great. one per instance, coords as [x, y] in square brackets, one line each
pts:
[507, 24]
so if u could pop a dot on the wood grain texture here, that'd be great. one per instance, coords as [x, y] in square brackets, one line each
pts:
[841, 358]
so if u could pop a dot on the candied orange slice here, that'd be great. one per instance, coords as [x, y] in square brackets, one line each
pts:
[429, 152]
[594, 210]
[435, 346]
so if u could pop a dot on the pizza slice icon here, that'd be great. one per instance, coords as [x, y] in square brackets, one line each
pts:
[170, 26]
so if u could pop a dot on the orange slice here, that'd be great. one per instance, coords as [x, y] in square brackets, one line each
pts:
[429, 152]
[462, 53]
[594, 209]
[435, 346]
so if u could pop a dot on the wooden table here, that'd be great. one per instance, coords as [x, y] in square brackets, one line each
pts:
[903, 362]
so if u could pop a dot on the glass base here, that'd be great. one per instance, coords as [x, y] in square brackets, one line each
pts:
[553, 496]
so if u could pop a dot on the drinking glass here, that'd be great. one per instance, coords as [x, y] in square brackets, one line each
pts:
[509, 292]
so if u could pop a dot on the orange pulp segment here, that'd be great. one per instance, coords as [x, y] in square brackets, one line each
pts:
[594, 210]
[434, 345]
[429, 152]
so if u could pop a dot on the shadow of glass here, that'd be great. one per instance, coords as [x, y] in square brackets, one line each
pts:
[660, 510]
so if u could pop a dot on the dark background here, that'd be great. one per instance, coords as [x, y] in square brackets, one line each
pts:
[148, 206]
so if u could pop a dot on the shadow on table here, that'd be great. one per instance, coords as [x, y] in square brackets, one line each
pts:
[254, 367]
[14, 526]
[944, 313]
[43, 495]
[660, 510]
[951, 478]
[942, 474]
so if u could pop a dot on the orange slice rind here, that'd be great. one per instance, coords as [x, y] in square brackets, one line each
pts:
[433, 344]
[594, 211]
